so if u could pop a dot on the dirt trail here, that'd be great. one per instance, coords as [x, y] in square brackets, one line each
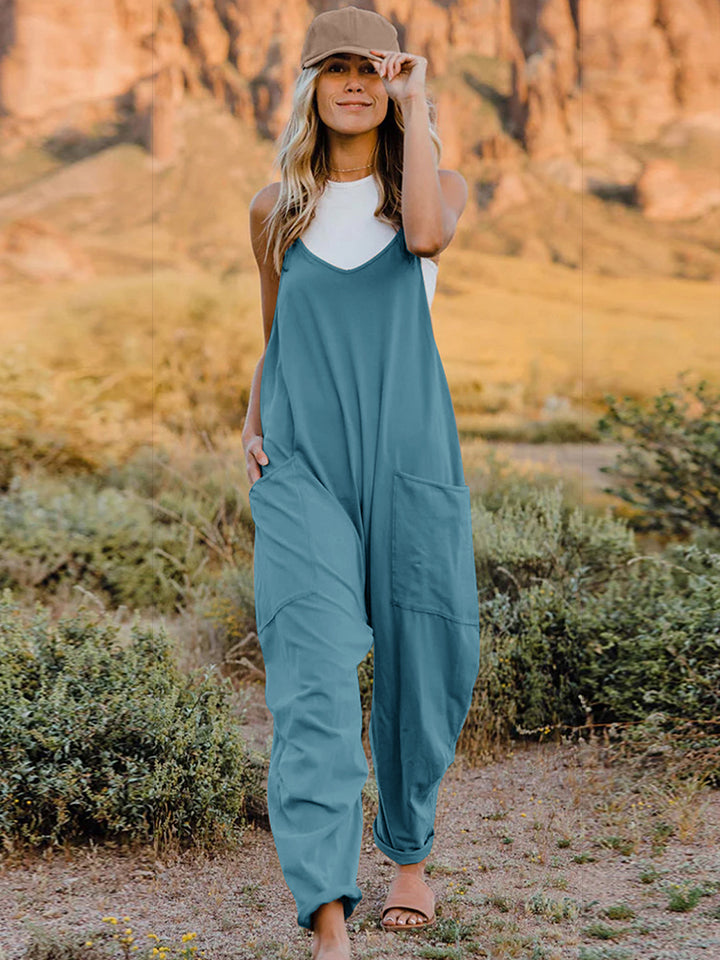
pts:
[579, 462]
[529, 852]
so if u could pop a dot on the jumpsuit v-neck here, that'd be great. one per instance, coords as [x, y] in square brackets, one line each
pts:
[362, 536]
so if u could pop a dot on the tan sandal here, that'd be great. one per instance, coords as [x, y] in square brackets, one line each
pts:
[409, 892]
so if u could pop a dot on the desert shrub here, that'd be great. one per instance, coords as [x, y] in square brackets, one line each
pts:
[607, 646]
[101, 738]
[55, 534]
[670, 467]
[500, 483]
[147, 534]
[653, 638]
[536, 658]
[534, 538]
[226, 608]
[577, 626]
[204, 492]
[536, 559]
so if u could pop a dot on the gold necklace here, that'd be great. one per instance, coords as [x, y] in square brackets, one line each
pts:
[348, 169]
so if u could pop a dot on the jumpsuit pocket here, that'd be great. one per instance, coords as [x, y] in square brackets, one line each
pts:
[281, 568]
[433, 562]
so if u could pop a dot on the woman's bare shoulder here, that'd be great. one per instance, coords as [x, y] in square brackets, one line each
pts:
[260, 207]
[264, 200]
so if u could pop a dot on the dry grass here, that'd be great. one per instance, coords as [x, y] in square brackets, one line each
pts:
[524, 332]
[105, 366]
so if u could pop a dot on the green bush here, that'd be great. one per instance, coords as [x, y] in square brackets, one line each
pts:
[535, 538]
[225, 609]
[536, 559]
[101, 739]
[145, 534]
[59, 534]
[611, 648]
[653, 638]
[578, 626]
[670, 469]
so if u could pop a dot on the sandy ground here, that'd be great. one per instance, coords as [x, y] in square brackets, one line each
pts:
[582, 460]
[529, 852]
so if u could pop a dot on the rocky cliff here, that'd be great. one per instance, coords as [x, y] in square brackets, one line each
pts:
[625, 68]
[586, 80]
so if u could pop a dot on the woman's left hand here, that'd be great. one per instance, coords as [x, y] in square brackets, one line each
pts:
[402, 73]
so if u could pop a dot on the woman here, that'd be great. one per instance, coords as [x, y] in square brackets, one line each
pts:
[362, 516]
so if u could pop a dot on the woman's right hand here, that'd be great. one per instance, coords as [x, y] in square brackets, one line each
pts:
[254, 457]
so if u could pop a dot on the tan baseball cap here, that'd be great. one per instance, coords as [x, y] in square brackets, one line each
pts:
[347, 30]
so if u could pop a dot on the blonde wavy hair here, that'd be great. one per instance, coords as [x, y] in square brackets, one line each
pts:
[304, 161]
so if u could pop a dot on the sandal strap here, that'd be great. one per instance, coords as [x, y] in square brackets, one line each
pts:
[408, 892]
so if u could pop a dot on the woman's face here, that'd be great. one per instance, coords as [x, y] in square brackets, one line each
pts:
[349, 77]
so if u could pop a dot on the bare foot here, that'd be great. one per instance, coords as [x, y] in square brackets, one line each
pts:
[330, 938]
[409, 917]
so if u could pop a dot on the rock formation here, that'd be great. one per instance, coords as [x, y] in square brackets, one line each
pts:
[588, 75]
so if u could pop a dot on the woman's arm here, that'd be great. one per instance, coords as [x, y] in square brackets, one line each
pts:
[252, 426]
[260, 206]
[432, 200]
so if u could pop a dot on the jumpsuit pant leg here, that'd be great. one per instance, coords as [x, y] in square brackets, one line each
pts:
[419, 704]
[314, 633]
[318, 766]
[426, 657]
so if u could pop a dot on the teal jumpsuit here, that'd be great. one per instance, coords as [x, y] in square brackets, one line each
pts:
[362, 535]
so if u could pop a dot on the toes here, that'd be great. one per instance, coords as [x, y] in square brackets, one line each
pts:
[403, 918]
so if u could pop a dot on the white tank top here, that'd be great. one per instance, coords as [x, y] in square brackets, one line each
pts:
[345, 232]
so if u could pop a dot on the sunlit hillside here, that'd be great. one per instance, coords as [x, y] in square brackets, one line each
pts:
[146, 306]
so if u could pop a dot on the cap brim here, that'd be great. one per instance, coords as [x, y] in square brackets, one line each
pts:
[363, 51]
